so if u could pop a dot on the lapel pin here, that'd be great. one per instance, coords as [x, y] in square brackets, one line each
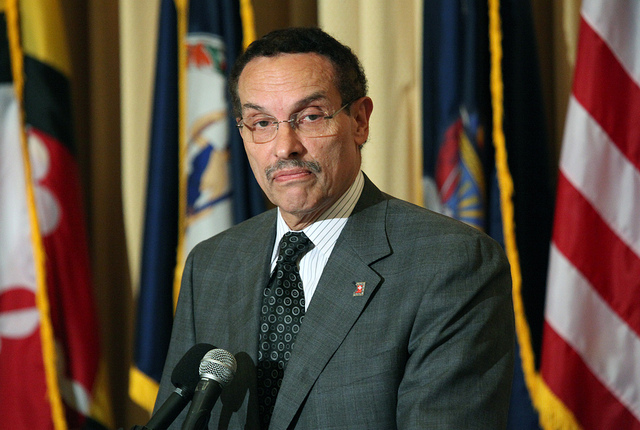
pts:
[359, 289]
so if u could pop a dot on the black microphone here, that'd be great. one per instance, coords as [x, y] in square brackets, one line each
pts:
[185, 378]
[217, 369]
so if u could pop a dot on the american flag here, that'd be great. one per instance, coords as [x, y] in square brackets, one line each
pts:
[591, 344]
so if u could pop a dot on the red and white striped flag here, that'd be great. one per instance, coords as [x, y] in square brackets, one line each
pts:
[591, 343]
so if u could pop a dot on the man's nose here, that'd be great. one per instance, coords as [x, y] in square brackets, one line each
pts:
[287, 141]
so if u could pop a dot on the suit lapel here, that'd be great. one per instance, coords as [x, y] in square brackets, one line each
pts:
[252, 276]
[337, 302]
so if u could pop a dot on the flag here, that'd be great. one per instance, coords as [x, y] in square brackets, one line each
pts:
[486, 157]
[160, 241]
[50, 363]
[591, 343]
[199, 179]
[456, 109]
[525, 198]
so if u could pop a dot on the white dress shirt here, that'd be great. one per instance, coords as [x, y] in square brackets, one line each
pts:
[324, 233]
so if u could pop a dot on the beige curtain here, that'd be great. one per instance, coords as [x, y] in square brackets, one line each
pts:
[387, 37]
[138, 39]
[566, 22]
[138, 25]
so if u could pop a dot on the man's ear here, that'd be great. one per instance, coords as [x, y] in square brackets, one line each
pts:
[361, 111]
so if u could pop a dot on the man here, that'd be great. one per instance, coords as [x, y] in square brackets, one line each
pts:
[408, 321]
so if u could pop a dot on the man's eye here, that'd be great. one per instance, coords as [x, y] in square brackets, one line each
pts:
[260, 123]
[310, 118]
[310, 115]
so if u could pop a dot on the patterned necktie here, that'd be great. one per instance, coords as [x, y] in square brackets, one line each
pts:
[281, 316]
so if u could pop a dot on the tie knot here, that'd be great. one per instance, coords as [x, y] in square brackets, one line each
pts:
[292, 246]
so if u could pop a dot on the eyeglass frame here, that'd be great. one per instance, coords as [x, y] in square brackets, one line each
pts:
[292, 122]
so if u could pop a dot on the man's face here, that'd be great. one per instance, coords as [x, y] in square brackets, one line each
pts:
[280, 87]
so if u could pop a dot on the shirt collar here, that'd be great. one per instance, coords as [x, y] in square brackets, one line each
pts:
[332, 219]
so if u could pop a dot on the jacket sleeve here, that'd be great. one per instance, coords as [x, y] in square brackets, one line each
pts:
[461, 348]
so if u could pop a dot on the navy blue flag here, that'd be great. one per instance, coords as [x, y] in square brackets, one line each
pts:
[459, 161]
[528, 149]
[155, 299]
[456, 110]
[199, 179]
[528, 152]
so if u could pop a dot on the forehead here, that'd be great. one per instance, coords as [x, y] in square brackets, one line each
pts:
[285, 80]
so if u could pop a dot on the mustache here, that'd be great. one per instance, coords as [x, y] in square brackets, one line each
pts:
[284, 164]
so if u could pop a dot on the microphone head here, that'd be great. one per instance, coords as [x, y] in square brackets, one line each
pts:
[184, 375]
[219, 365]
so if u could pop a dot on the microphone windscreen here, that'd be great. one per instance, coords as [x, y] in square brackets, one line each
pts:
[186, 373]
[219, 365]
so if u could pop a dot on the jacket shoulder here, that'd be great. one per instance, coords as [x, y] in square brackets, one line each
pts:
[241, 234]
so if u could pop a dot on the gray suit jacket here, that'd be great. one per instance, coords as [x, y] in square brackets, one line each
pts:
[428, 345]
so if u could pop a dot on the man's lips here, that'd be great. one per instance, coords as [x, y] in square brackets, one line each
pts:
[285, 170]
[290, 175]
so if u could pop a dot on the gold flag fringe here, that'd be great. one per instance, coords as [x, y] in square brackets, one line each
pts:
[182, 10]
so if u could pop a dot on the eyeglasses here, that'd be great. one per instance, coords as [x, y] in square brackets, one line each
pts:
[312, 121]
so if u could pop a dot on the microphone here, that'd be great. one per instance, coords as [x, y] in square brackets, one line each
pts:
[185, 378]
[217, 369]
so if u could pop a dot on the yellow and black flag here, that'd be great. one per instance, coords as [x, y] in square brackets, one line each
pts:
[50, 363]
